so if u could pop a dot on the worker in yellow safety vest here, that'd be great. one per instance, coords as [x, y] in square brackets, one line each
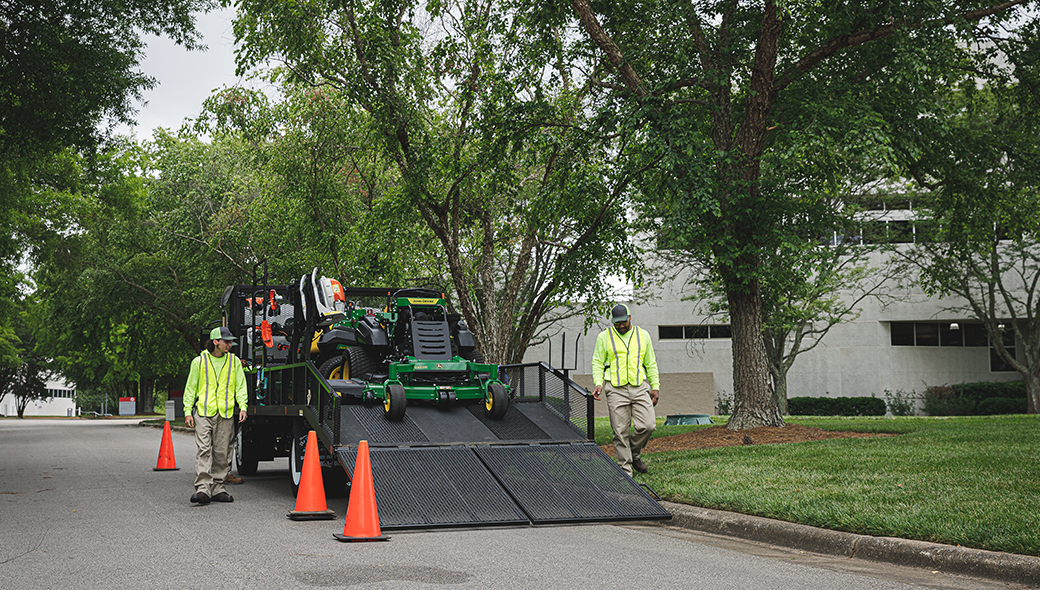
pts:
[216, 382]
[623, 364]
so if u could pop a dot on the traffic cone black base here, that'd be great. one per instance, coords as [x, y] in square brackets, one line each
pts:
[346, 539]
[319, 515]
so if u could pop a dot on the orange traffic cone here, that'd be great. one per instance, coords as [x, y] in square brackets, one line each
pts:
[362, 515]
[167, 461]
[310, 498]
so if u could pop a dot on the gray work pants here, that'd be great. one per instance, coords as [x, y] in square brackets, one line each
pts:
[213, 438]
[632, 419]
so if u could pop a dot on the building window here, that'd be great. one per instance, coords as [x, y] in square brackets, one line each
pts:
[669, 332]
[694, 332]
[997, 364]
[975, 335]
[953, 334]
[902, 333]
[61, 393]
[926, 334]
[938, 334]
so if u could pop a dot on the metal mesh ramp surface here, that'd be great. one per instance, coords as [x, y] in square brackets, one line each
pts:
[431, 487]
[568, 483]
[514, 426]
[458, 485]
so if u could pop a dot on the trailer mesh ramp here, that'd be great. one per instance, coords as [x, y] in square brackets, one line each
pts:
[513, 426]
[480, 485]
[568, 483]
[427, 487]
[381, 430]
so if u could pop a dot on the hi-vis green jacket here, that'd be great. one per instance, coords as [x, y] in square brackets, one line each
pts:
[625, 360]
[214, 388]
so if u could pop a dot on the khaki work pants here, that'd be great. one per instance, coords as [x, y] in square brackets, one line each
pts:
[213, 438]
[632, 419]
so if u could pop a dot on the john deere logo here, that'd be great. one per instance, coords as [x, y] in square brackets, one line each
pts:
[418, 301]
[440, 366]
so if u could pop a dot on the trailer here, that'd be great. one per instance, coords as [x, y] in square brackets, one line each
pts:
[452, 441]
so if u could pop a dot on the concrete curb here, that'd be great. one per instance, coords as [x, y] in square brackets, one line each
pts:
[1004, 567]
[173, 427]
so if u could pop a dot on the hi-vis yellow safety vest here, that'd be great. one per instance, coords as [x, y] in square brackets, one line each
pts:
[212, 389]
[625, 360]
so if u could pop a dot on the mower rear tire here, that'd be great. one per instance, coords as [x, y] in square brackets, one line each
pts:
[360, 363]
[395, 403]
[335, 368]
[497, 401]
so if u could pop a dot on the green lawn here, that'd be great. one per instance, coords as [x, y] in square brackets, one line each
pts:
[971, 481]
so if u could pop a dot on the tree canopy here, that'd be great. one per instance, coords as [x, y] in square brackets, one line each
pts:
[524, 204]
[720, 91]
[979, 162]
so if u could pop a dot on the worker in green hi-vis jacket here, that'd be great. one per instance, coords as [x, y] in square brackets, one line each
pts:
[623, 364]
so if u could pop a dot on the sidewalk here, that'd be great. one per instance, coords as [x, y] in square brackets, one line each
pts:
[1004, 567]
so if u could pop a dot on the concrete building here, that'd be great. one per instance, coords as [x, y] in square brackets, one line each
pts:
[60, 401]
[906, 345]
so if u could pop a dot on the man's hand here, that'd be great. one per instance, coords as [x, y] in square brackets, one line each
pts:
[189, 421]
[595, 392]
[241, 416]
[654, 395]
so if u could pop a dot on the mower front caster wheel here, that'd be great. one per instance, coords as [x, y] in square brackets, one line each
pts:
[497, 401]
[395, 402]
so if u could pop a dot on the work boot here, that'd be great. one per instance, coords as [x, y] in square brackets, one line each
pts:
[223, 497]
[229, 478]
[200, 498]
[637, 464]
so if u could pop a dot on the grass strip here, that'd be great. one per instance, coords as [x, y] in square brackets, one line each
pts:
[971, 481]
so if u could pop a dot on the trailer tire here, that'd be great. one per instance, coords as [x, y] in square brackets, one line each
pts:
[335, 368]
[296, 454]
[243, 462]
[497, 401]
[395, 403]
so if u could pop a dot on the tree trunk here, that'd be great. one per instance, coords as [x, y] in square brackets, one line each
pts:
[145, 396]
[753, 402]
[1033, 391]
[780, 391]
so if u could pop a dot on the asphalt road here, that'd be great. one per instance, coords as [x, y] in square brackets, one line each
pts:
[81, 507]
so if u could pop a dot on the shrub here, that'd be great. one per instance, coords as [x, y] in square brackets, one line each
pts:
[724, 402]
[943, 400]
[988, 389]
[901, 403]
[835, 406]
[993, 406]
[965, 399]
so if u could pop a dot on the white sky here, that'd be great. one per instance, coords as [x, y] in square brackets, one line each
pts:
[184, 79]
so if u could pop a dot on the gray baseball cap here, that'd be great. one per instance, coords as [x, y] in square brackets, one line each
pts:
[619, 313]
[221, 333]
